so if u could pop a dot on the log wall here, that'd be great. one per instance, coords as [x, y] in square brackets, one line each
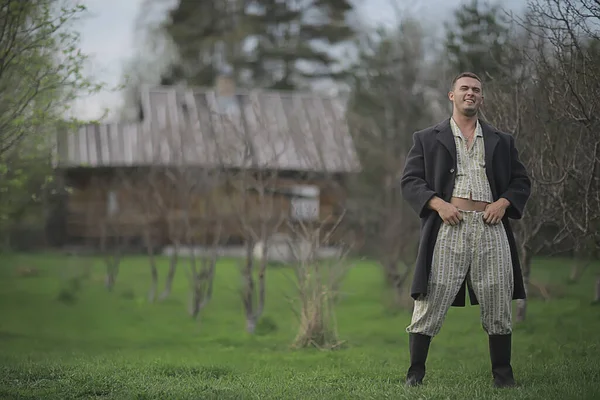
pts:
[133, 204]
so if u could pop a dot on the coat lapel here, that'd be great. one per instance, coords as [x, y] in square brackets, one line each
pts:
[490, 140]
[445, 137]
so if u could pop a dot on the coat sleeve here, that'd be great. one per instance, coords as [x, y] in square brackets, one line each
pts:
[414, 187]
[519, 188]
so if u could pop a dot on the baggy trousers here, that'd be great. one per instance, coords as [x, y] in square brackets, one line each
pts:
[480, 253]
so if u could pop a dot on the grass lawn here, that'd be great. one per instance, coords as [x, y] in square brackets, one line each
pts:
[118, 346]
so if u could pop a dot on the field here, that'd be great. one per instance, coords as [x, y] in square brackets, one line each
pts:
[102, 345]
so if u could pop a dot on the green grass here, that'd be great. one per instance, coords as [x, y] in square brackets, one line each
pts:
[118, 346]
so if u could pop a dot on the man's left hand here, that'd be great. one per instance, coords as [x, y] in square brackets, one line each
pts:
[494, 212]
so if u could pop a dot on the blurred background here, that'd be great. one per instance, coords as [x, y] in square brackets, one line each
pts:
[169, 165]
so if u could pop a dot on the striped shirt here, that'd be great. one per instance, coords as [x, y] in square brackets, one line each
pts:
[471, 180]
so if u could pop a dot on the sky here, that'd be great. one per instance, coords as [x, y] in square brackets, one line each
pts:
[107, 37]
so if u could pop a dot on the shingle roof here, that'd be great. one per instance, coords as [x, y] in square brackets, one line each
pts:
[253, 129]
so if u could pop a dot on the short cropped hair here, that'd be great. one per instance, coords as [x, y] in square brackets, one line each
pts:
[462, 75]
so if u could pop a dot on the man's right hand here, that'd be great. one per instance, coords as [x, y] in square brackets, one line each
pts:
[448, 212]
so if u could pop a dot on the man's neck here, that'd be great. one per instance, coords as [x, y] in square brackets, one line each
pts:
[466, 124]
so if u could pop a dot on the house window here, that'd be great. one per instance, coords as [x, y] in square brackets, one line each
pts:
[112, 205]
[305, 203]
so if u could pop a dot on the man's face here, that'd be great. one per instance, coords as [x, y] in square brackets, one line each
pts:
[467, 96]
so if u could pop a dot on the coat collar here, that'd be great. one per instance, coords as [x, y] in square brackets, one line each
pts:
[490, 139]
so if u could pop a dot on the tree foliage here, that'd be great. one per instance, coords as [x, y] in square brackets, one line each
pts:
[266, 43]
[476, 40]
[41, 73]
[40, 67]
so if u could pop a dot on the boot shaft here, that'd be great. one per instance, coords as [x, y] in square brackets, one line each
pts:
[500, 357]
[419, 348]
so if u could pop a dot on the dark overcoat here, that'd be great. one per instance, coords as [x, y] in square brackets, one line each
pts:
[430, 170]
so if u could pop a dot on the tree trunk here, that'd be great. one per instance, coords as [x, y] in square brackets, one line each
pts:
[250, 324]
[210, 271]
[112, 270]
[110, 279]
[202, 281]
[154, 285]
[196, 285]
[153, 271]
[171, 274]
[202, 286]
[597, 294]
[392, 278]
[208, 275]
[577, 269]
[526, 270]
[111, 260]
[581, 260]
[196, 296]
[248, 290]
[261, 279]
[395, 280]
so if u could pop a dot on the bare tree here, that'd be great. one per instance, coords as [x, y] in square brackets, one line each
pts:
[174, 235]
[211, 224]
[179, 199]
[260, 214]
[570, 63]
[318, 280]
[390, 101]
[545, 97]
[260, 147]
[138, 187]
[193, 213]
[113, 238]
[257, 205]
[512, 97]
[584, 254]
[202, 277]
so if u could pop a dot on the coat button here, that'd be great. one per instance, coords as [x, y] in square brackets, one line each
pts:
[452, 170]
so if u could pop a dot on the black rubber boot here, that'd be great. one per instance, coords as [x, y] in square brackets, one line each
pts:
[419, 347]
[500, 353]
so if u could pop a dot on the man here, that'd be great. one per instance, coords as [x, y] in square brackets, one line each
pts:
[465, 180]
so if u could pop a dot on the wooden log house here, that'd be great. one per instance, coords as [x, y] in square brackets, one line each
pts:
[202, 161]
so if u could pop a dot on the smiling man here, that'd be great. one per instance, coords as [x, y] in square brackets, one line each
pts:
[464, 179]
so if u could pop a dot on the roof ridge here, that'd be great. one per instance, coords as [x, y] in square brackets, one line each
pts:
[241, 91]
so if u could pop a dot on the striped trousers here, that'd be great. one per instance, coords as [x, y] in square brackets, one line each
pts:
[475, 251]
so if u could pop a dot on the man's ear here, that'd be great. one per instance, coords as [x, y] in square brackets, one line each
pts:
[451, 95]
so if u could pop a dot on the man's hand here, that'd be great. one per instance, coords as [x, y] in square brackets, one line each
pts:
[494, 212]
[447, 212]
